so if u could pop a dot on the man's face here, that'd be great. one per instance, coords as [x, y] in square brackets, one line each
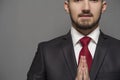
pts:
[85, 14]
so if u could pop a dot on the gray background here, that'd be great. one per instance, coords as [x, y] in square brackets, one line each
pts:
[25, 23]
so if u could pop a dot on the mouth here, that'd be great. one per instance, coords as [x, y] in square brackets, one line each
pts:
[85, 15]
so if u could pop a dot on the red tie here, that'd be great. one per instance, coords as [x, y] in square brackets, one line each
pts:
[85, 51]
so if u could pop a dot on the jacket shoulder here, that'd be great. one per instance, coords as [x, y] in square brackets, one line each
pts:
[113, 41]
[55, 41]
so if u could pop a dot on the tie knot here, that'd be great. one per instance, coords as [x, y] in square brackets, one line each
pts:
[85, 41]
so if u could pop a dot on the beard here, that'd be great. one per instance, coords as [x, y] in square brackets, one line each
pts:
[85, 25]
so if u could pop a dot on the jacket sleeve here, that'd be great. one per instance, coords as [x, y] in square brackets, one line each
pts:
[37, 69]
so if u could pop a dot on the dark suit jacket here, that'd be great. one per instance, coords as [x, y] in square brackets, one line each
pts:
[55, 60]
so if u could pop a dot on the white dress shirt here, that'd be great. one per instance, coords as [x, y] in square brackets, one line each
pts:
[76, 36]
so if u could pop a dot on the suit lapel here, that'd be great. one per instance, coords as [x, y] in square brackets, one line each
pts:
[69, 55]
[99, 56]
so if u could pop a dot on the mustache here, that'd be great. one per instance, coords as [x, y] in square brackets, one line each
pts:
[85, 13]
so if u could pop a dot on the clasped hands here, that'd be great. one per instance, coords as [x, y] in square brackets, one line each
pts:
[82, 71]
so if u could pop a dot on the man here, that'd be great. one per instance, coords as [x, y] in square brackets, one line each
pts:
[66, 57]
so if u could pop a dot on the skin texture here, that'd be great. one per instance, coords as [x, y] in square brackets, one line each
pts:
[85, 16]
[82, 72]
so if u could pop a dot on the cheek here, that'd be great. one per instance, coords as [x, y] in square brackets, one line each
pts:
[74, 10]
[97, 13]
[73, 14]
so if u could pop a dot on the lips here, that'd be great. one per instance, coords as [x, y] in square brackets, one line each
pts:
[85, 15]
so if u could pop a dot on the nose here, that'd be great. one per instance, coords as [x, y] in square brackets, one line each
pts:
[86, 6]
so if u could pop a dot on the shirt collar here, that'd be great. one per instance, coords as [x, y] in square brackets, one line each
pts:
[76, 36]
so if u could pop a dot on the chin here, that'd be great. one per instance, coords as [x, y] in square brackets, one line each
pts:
[85, 27]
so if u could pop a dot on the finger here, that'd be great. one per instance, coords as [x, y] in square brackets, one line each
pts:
[85, 63]
[80, 63]
[79, 75]
[85, 69]
[85, 74]
[80, 69]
